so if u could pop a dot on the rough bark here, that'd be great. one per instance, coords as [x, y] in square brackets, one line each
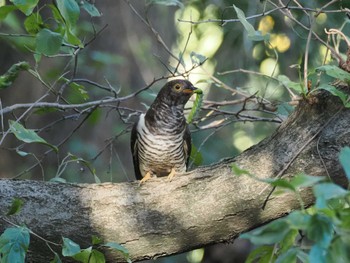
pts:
[208, 205]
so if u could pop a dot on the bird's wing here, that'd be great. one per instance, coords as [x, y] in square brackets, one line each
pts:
[187, 145]
[134, 151]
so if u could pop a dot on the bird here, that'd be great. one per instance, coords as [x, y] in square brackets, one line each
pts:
[160, 138]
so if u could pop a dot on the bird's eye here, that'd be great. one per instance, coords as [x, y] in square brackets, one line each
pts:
[177, 87]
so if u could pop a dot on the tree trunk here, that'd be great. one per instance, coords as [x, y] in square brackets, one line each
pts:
[208, 205]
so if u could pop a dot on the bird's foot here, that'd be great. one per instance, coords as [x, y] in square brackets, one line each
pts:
[145, 178]
[171, 175]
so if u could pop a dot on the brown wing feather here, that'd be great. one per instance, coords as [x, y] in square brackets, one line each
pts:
[134, 151]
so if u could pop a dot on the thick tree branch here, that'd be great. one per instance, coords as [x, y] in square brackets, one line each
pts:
[208, 205]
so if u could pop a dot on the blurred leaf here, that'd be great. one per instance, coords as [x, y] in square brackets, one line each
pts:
[33, 23]
[196, 157]
[260, 253]
[70, 248]
[303, 180]
[298, 220]
[56, 259]
[42, 111]
[81, 90]
[238, 171]
[27, 135]
[58, 180]
[335, 92]
[15, 207]
[83, 255]
[22, 153]
[119, 248]
[284, 109]
[26, 6]
[317, 254]
[90, 8]
[5, 10]
[344, 158]
[289, 256]
[72, 39]
[9, 77]
[335, 72]
[196, 107]
[320, 230]
[95, 240]
[339, 251]
[197, 59]
[252, 33]
[283, 183]
[285, 81]
[70, 11]
[329, 191]
[288, 241]
[269, 234]
[48, 42]
[166, 2]
[14, 244]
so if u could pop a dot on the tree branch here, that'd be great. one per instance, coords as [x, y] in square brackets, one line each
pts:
[208, 205]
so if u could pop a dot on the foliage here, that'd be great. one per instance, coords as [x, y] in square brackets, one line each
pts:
[317, 234]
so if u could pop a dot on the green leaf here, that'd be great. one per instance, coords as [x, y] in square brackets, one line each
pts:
[288, 241]
[95, 240]
[197, 59]
[26, 6]
[260, 252]
[83, 255]
[119, 248]
[252, 33]
[335, 92]
[56, 259]
[317, 254]
[238, 171]
[335, 72]
[298, 220]
[33, 23]
[15, 207]
[344, 158]
[269, 234]
[285, 81]
[70, 11]
[72, 39]
[320, 230]
[27, 135]
[329, 191]
[48, 42]
[196, 157]
[5, 10]
[14, 244]
[196, 106]
[283, 183]
[303, 180]
[90, 8]
[289, 256]
[166, 3]
[339, 251]
[70, 248]
[9, 77]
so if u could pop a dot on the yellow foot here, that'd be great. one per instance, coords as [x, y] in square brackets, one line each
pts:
[171, 175]
[145, 178]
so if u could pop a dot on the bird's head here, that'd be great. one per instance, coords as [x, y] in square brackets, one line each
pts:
[177, 92]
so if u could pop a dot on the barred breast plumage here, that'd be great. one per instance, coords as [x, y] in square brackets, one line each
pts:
[160, 139]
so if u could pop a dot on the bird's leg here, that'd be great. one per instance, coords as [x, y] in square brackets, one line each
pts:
[145, 178]
[172, 174]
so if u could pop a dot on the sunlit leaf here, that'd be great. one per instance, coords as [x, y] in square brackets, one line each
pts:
[26, 6]
[33, 23]
[14, 244]
[196, 106]
[15, 207]
[253, 34]
[48, 42]
[344, 158]
[83, 255]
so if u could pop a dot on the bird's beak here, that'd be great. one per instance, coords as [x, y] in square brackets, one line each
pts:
[192, 90]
